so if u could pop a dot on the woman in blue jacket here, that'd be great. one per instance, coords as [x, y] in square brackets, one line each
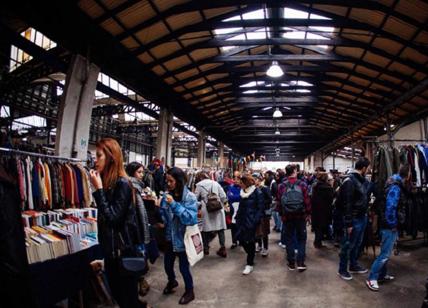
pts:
[248, 217]
[179, 209]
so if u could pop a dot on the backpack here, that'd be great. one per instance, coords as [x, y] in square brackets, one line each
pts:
[213, 201]
[292, 199]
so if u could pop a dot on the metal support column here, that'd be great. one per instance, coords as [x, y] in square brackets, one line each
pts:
[201, 149]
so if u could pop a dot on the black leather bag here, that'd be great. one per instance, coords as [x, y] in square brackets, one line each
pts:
[132, 261]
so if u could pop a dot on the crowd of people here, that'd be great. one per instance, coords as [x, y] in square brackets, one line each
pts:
[334, 207]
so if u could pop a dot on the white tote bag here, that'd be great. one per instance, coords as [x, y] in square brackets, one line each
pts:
[193, 244]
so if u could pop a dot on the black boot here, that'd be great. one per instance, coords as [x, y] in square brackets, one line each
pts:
[170, 287]
[187, 297]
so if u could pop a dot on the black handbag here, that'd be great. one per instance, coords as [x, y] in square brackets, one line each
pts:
[132, 261]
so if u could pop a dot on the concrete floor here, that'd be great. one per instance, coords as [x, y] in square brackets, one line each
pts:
[219, 282]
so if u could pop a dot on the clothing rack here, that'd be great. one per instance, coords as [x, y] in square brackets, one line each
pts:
[13, 151]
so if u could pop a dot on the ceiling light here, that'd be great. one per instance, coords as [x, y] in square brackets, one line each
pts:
[277, 132]
[277, 113]
[275, 70]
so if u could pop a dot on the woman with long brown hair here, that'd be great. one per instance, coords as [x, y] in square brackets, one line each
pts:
[117, 222]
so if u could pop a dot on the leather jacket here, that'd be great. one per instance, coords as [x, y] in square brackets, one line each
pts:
[117, 220]
[354, 195]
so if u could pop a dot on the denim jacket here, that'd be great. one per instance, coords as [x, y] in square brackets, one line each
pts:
[177, 216]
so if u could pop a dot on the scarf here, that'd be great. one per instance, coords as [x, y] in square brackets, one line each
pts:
[247, 192]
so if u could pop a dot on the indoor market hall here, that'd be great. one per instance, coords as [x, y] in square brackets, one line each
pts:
[201, 153]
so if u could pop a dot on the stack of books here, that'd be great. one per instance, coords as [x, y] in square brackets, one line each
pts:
[53, 234]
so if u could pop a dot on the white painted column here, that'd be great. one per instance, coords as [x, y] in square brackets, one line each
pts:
[164, 136]
[74, 119]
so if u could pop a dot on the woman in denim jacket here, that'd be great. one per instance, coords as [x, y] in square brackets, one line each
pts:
[179, 209]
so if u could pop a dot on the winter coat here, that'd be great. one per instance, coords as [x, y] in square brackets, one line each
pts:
[213, 221]
[394, 191]
[143, 218]
[322, 199]
[117, 218]
[353, 194]
[177, 216]
[267, 201]
[234, 196]
[249, 214]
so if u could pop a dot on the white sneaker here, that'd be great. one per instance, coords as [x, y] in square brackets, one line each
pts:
[372, 285]
[265, 252]
[258, 248]
[248, 269]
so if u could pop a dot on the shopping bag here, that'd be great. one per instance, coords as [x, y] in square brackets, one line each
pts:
[193, 244]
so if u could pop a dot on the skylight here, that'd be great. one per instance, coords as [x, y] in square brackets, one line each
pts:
[18, 56]
[295, 14]
[226, 30]
[4, 112]
[258, 14]
[250, 91]
[300, 83]
[252, 84]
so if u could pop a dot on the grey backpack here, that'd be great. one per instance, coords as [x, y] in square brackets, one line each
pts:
[292, 200]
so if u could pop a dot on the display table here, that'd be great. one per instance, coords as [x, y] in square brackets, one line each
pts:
[61, 278]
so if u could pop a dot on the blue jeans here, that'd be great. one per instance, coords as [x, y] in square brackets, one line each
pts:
[350, 246]
[295, 238]
[277, 220]
[184, 265]
[378, 269]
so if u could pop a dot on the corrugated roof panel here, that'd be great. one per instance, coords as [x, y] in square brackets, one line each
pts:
[195, 37]
[159, 70]
[357, 35]
[389, 78]
[420, 76]
[165, 49]
[130, 43]
[146, 58]
[414, 8]
[422, 38]
[195, 83]
[363, 70]
[404, 69]
[177, 62]
[91, 8]
[111, 4]
[409, 54]
[111, 26]
[203, 53]
[350, 51]
[179, 89]
[186, 74]
[163, 5]
[370, 17]
[388, 45]
[210, 13]
[337, 10]
[376, 59]
[152, 33]
[399, 28]
[212, 77]
[182, 20]
[136, 14]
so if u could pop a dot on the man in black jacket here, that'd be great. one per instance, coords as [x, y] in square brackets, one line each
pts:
[353, 196]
